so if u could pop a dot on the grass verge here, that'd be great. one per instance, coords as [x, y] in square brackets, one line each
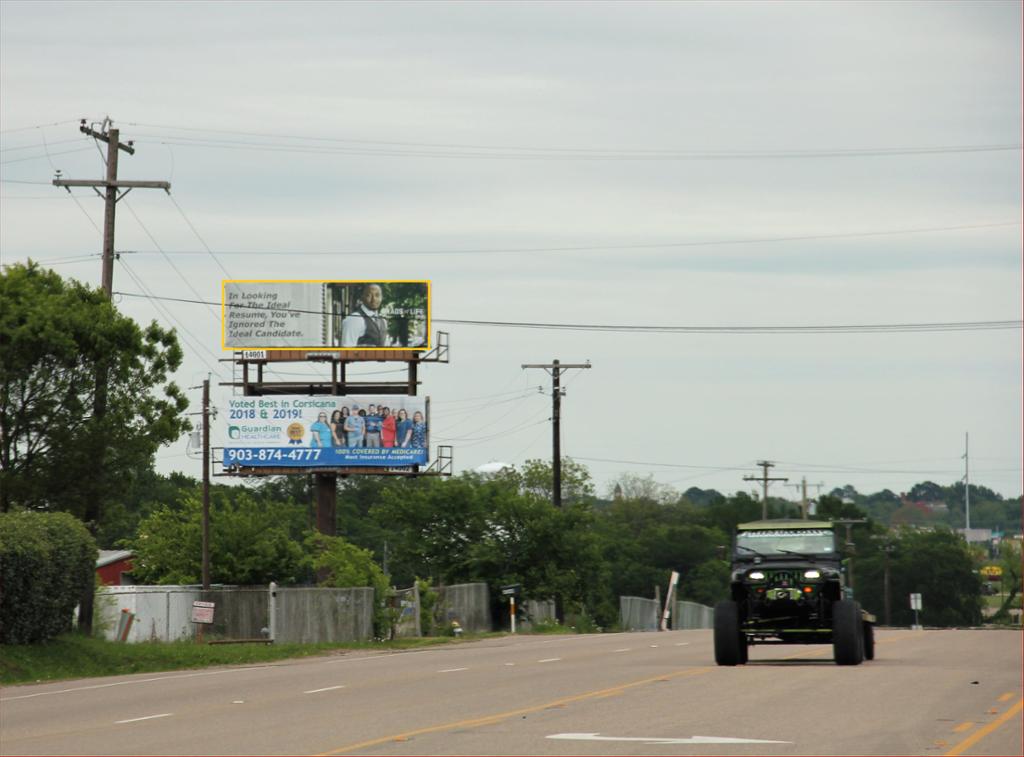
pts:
[74, 656]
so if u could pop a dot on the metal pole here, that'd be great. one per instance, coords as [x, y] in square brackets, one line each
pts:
[512, 611]
[206, 484]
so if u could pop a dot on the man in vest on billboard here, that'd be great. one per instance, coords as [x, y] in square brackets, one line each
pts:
[373, 426]
[364, 326]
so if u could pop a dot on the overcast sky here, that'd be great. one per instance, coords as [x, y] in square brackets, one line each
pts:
[426, 140]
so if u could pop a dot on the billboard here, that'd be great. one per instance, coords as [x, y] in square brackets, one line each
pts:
[300, 431]
[325, 314]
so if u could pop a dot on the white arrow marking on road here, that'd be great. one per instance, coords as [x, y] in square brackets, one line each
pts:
[148, 717]
[329, 688]
[659, 740]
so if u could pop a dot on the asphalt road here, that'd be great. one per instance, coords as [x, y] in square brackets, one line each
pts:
[927, 692]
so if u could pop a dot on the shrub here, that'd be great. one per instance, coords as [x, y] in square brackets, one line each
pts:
[47, 561]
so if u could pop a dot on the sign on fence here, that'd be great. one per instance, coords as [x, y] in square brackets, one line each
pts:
[202, 612]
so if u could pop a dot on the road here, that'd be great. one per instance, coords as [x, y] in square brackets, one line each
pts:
[927, 692]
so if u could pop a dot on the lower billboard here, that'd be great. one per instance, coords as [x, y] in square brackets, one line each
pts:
[327, 431]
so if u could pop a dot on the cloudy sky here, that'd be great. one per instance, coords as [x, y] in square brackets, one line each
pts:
[631, 164]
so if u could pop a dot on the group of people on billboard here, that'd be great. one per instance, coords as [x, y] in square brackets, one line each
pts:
[373, 427]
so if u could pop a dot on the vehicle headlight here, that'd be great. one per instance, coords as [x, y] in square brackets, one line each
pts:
[756, 576]
[812, 574]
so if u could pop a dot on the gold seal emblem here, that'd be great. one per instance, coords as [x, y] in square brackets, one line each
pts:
[296, 431]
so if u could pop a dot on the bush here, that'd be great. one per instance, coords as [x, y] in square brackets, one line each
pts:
[47, 561]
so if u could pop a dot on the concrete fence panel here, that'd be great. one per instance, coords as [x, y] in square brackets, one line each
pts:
[638, 614]
[469, 604]
[692, 615]
[311, 615]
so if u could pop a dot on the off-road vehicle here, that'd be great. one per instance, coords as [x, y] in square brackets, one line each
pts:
[788, 586]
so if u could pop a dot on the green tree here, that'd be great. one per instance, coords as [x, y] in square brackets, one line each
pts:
[537, 478]
[934, 563]
[251, 542]
[54, 336]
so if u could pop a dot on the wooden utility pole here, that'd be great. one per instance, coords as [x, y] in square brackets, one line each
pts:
[111, 184]
[765, 480]
[206, 484]
[967, 482]
[804, 502]
[112, 194]
[556, 368]
[851, 548]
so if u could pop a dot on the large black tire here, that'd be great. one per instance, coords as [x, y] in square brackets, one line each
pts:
[847, 632]
[869, 641]
[730, 648]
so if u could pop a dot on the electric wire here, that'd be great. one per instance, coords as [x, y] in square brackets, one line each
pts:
[38, 126]
[44, 155]
[633, 328]
[197, 344]
[653, 246]
[321, 145]
[40, 144]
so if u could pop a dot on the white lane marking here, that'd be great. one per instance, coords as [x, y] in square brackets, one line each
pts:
[661, 740]
[452, 670]
[140, 680]
[654, 646]
[624, 649]
[683, 644]
[326, 688]
[550, 659]
[148, 717]
[238, 701]
[510, 664]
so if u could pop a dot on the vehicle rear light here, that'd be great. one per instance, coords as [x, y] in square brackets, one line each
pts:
[808, 590]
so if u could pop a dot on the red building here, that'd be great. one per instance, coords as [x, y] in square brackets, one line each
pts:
[113, 567]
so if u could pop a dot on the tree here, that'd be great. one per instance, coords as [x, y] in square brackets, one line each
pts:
[251, 542]
[935, 563]
[55, 453]
[537, 477]
[635, 486]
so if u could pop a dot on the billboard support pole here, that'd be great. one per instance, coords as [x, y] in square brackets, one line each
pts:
[326, 503]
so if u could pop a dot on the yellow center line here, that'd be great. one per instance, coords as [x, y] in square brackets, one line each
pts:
[981, 733]
[1007, 696]
[964, 727]
[499, 716]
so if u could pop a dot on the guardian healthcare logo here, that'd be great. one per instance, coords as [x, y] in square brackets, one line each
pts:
[234, 432]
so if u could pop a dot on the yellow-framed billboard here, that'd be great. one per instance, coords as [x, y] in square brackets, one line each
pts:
[325, 314]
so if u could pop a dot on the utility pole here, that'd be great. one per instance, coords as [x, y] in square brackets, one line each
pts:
[967, 481]
[111, 183]
[887, 549]
[206, 484]
[556, 369]
[765, 480]
[851, 549]
[804, 502]
[114, 145]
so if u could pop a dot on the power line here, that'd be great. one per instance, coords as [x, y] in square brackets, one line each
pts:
[44, 155]
[806, 329]
[198, 236]
[299, 143]
[40, 144]
[595, 247]
[38, 126]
